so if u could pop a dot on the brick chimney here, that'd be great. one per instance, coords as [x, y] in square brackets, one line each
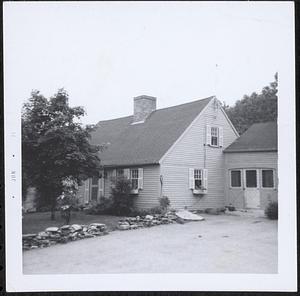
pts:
[143, 107]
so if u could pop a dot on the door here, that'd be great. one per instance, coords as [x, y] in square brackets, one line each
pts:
[252, 197]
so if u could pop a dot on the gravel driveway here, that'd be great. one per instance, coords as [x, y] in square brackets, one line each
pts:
[221, 244]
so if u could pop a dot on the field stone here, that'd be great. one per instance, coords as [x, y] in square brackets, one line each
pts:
[43, 234]
[149, 217]
[52, 229]
[77, 227]
[64, 227]
[124, 226]
[134, 226]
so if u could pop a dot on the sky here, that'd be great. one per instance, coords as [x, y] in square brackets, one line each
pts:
[106, 53]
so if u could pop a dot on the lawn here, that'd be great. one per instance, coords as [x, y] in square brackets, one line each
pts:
[35, 222]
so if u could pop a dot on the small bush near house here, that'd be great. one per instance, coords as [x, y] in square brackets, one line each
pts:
[122, 200]
[271, 210]
[139, 212]
[164, 202]
[214, 211]
[102, 208]
[157, 210]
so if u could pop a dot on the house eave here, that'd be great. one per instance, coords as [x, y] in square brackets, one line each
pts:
[251, 150]
[128, 165]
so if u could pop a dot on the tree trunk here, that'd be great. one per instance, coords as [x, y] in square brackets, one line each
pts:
[53, 210]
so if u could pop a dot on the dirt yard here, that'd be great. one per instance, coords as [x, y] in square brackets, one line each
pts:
[220, 244]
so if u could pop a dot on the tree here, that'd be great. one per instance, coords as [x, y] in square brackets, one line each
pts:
[55, 146]
[254, 108]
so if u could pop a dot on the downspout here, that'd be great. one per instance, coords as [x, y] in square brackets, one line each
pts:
[161, 179]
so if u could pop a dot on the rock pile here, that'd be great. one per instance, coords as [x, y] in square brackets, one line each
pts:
[64, 234]
[146, 221]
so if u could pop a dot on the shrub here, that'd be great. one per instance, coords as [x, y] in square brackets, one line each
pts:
[157, 210]
[122, 200]
[271, 210]
[164, 202]
[213, 211]
[140, 212]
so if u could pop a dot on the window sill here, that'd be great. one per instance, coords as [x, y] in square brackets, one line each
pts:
[199, 191]
[214, 146]
[134, 191]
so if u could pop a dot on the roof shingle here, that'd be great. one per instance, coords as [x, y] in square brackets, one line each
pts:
[147, 142]
[259, 137]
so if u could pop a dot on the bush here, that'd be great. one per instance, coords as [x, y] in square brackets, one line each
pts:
[271, 210]
[214, 211]
[157, 210]
[164, 202]
[139, 212]
[122, 200]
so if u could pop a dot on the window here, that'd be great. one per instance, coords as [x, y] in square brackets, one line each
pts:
[235, 178]
[251, 178]
[134, 176]
[267, 179]
[198, 180]
[214, 136]
[120, 173]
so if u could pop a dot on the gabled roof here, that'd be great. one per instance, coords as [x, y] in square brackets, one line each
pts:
[259, 137]
[144, 143]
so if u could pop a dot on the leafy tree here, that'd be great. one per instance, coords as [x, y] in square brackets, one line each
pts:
[55, 146]
[254, 108]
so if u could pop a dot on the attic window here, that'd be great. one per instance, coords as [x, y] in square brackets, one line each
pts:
[214, 136]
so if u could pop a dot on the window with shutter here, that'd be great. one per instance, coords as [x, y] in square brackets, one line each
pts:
[198, 180]
[214, 136]
[134, 176]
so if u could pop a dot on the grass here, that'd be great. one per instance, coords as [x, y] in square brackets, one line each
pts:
[36, 222]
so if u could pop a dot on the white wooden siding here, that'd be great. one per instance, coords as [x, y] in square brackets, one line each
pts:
[191, 152]
[148, 197]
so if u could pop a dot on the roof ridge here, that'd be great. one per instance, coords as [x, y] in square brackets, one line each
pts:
[188, 103]
[106, 120]
[262, 122]
[128, 116]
